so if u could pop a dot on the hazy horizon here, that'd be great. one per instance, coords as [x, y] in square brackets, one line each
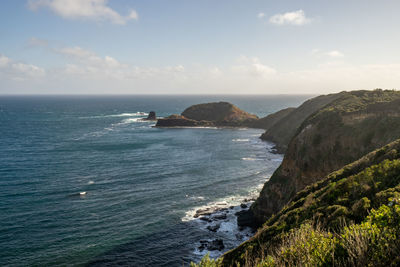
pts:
[119, 47]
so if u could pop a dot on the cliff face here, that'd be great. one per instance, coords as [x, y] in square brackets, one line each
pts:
[176, 120]
[342, 198]
[284, 129]
[350, 126]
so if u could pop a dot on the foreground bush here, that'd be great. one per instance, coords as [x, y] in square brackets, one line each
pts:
[374, 242]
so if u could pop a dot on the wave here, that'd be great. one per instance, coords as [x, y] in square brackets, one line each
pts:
[240, 140]
[225, 202]
[136, 114]
[252, 159]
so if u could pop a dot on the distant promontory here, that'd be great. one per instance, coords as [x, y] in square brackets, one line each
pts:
[219, 114]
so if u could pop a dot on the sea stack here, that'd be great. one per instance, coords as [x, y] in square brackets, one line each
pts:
[152, 116]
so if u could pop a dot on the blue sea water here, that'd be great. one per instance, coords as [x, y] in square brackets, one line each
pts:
[142, 183]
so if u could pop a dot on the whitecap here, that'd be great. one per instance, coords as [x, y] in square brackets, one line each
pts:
[249, 159]
[240, 140]
[135, 114]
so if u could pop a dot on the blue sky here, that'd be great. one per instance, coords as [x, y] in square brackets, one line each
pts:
[194, 47]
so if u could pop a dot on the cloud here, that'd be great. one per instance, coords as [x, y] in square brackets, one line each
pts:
[334, 54]
[84, 71]
[260, 15]
[18, 71]
[37, 42]
[297, 18]
[253, 67]
[4, 61]
[88, 64]
[84, 9]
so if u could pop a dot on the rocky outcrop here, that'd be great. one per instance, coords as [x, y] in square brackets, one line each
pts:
[221, 114]
[340, 132]
[151, 117]
[216, 244]
[181, 121]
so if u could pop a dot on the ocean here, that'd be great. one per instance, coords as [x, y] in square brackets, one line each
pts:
[85, 182]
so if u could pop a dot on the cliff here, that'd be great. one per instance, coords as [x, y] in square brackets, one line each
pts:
[176, 120]
[352, 125]
[286, 127]
[348, 218]
[267, 122]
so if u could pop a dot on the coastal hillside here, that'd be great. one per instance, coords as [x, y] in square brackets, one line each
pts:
[268, 121]
[349, 218]
[352, 125]
[285, 128]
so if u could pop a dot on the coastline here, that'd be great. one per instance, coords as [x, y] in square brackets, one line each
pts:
[218, 219]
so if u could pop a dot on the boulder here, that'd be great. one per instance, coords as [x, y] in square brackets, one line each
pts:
[216, 244]
[219, 216]
[245, 218]
[214, 228]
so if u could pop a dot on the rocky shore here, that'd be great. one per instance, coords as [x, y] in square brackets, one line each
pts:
[221, 218]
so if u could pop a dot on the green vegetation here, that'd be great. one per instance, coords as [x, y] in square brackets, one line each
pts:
[350, 218]
[350, 126]
[282, 131]
[269, 121]
[221, 113]
[374, 242]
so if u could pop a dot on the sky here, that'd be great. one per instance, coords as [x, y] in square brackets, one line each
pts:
[198, 47]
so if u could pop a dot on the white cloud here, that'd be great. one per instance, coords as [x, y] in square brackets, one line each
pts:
[87, 72]
[290, 18]
[88, 64]
[28, 69]
[84, 9]
[334, 54]
[37, 42]
[260, 15]
[4, 61]
[19, 71]
[253, 67]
